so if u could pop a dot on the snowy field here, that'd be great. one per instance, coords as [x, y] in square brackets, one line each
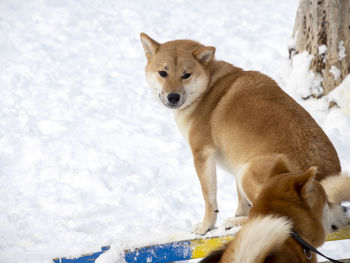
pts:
[87, 156]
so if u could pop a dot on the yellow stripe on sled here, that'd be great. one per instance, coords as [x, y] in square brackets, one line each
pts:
[203, 247]
[341, 234]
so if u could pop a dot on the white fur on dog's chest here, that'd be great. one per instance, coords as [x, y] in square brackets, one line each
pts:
[183, 122]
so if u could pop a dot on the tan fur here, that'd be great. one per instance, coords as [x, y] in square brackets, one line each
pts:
[233, 116]
[337, 188]
[259, 243]
[287, 200]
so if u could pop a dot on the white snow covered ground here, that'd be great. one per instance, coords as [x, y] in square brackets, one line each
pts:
[87, 156]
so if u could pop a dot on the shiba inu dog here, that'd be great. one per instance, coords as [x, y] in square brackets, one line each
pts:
[287, 202]
[232, 117]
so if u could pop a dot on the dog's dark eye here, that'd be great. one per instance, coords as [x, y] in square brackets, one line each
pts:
[186, 75]
[334, 228]
[163, 74]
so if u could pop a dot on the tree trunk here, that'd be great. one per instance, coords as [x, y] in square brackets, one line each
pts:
[322, 28]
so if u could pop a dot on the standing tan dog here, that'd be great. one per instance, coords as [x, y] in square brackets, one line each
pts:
[232, 117]
[287, 201]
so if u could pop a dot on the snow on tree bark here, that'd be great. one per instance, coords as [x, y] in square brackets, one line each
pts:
[322, 28]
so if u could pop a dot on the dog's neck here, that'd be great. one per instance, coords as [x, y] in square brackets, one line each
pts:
[315, 238]
[218, 69]
[215, 70]
[303, 221]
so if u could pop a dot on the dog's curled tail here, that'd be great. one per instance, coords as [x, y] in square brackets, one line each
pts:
[259, 237]
[337, 188]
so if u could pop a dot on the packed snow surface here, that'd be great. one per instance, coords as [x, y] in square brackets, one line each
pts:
[87, 156]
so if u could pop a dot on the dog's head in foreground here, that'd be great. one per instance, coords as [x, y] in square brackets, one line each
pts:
[288, 201]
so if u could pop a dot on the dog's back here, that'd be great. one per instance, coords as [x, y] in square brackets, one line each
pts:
[266, 120]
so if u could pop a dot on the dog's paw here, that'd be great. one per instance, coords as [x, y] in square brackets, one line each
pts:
[201, 229]
[235, 221]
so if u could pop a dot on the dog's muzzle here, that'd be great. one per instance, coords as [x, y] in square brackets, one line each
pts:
[172, 100]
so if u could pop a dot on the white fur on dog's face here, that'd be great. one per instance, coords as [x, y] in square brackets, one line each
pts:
[155, 85]
[194, 89]
[177, 70]
[334, 217]
[189, 89]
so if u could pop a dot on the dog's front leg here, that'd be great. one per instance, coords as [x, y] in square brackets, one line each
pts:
[204, 161]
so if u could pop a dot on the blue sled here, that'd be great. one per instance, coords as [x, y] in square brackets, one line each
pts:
[169, 252]
[83, 259]
[178, 250]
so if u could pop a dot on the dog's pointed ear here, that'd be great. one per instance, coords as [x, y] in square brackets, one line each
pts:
[305, 182]
[204, 54]
[149, 45]
[280, 166]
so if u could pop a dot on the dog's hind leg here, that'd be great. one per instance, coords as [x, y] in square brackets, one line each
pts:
[249, 181]
[242, 210]
[235, 221]
[243, 204]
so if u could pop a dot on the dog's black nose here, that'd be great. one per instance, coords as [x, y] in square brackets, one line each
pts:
[173, 98]
[334, 227]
